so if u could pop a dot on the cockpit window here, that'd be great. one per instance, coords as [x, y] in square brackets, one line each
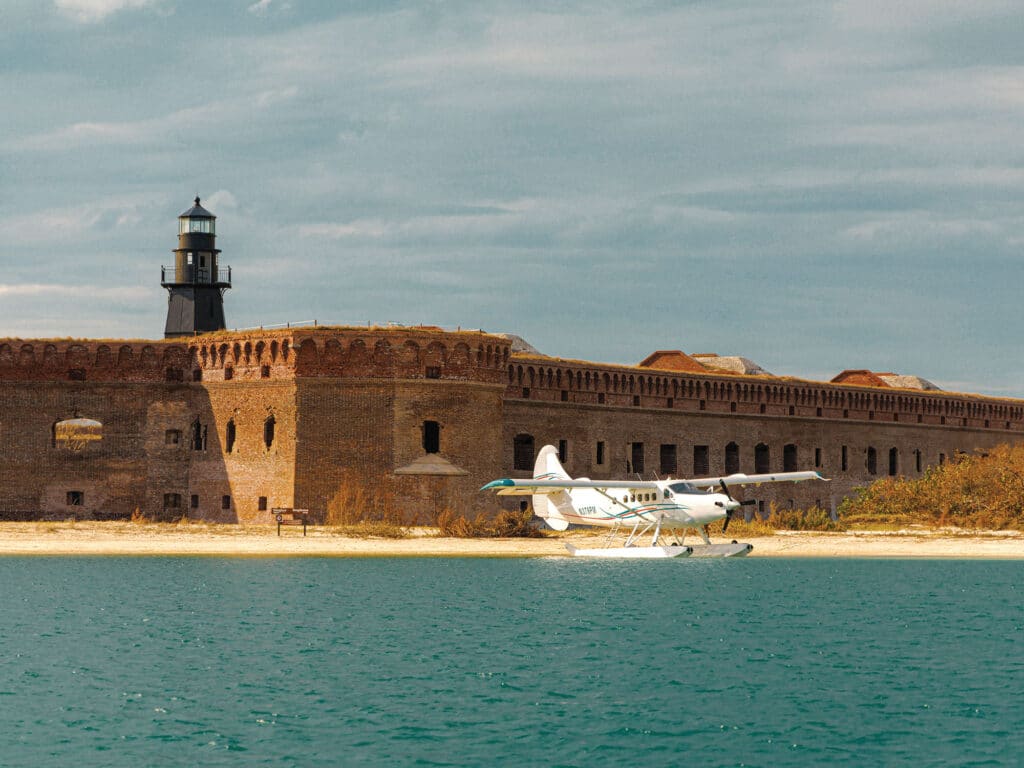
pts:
[684, 488]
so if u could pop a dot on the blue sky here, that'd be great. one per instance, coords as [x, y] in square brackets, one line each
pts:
[813, 185]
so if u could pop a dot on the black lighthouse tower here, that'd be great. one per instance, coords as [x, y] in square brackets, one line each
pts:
[196, 300]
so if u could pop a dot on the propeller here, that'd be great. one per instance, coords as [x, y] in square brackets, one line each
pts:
[729, 512]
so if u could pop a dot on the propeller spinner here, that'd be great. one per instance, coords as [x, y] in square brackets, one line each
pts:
[729, 512]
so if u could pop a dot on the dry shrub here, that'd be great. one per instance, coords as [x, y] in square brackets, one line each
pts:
[505, 525]
[138, 518]
[365, 508]
[812, 519]
[979, 492]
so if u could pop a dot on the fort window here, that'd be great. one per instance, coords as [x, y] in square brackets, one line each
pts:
[197, 374]
[225, 502]
[762, 459]
[701, 463]
[789, 458]
[229, 436]
[264, 371]
[920, 418]
[229, 374]
[431, 437]
[917, 460]
[846, 413]
[172, 437]
[433, 372]
[76, 374]
[942, 459]
[872, 461]
[895, 417]
[636, 455]
[636, 399]
[871, 415]
[75, 498]
[565, 396]
[817, 411]
[703, 404]
[261, 503]
[599, 455]
[732, 407]
[669, 402]
[668, 464]
[174, 374]
[563, 451]
[172, 501]
[845, 459]
[198, 436]
[268, 431]
[792, 410]
[526, 393]
[894, 462]
[942, 419]
[522, 452]
[817, 458]
[600, 398]
[732, 459]
[194, 501]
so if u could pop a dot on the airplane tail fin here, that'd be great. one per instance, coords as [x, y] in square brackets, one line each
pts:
[546, 506]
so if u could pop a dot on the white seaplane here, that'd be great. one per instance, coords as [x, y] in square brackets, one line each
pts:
[638, 507]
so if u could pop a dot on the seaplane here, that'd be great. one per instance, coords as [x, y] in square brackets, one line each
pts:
[665, 509]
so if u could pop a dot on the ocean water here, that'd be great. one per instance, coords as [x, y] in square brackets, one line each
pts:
[482, 662]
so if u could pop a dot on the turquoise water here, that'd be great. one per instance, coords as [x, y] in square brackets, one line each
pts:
[320, 662]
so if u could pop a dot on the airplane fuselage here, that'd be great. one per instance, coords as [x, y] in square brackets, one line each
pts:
[627, 507]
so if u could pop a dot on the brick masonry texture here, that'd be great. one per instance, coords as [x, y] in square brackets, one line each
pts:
[186, 420]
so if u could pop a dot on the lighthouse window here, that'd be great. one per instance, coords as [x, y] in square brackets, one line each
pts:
[188, 256]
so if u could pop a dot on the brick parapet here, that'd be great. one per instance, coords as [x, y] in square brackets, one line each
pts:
[554, 380]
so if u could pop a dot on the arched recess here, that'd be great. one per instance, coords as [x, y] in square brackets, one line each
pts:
[732, 458]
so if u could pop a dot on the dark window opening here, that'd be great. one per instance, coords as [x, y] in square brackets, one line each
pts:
[845, 459]
[942, 459]
[817, 411]
[942, 419]
[76, 374]
[198, 436]
[792, 410]
[197, 374]
[701, 460]
[565, 396]
[817, 458]
[174, 374]
[917, 460]
[669, 402]
[762, 459]
[636, 454]
[846, 413]
[920, 418]
[229, 374]
[225, 502]
[563, 451]
[194, 501]
[789, 458]
[264, 371]
[636, 399]
[668, 463]
[172, 437]
[871, 415]
[732, 407]
[431, 437]
[172, 501]
[895, 417]
[433, 372]
[261, 503]
[526, 393]
[268, 431]
[522, 452]
[894, 462]
[872, 461]
[229, 436]
[732, 459]
[600, 398]
[600, 453]
[762, 409]
[703, 404]
[76, 498]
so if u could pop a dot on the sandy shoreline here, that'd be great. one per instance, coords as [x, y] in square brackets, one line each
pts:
[262, 541]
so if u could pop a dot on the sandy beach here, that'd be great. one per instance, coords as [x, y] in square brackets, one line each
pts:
[94, 538]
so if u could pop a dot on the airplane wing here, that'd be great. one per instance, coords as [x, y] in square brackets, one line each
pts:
[741, 479]
[509, 487]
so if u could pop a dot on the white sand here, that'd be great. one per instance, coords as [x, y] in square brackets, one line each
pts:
[90, 538]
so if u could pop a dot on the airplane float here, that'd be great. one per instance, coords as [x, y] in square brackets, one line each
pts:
[638, 507]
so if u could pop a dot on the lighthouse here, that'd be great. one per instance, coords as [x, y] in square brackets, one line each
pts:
[196, 283]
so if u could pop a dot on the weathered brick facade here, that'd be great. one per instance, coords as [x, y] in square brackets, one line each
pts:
[228, 425]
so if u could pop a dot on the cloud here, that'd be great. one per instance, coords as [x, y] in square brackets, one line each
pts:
[89, 11]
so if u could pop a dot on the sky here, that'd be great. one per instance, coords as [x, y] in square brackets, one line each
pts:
[813, 185]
